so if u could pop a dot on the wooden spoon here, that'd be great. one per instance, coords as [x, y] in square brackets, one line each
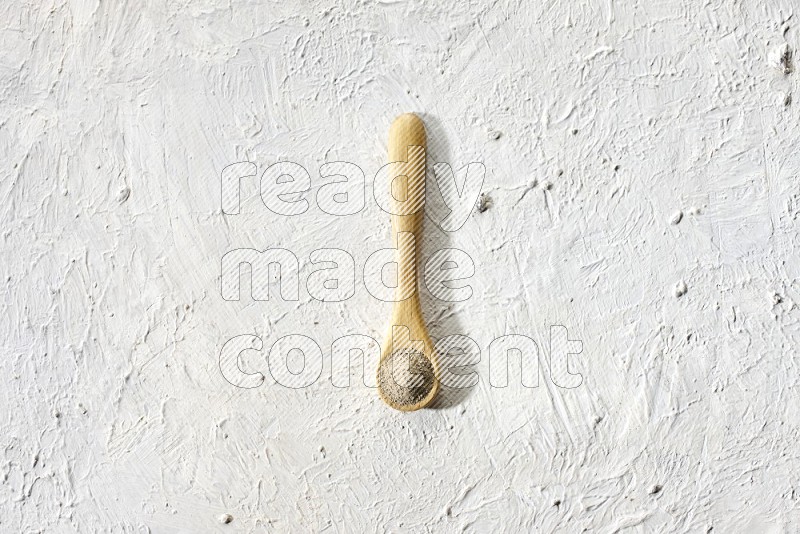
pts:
[408, 372]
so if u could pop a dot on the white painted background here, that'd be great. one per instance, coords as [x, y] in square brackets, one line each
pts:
[115, 122]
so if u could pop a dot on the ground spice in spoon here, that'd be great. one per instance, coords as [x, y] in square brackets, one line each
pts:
[405, 377]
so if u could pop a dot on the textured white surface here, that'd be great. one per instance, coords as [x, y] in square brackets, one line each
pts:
[116, 120]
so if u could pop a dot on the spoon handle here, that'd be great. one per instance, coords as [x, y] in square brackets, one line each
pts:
[407, 145]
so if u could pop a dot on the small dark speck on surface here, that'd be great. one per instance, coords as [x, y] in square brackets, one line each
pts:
[681, 289]
[786, 60]
[484, 203]
[225, 519]
[655, 489]
[557, 503]
[494, 135]
[124, 194]
[575, 131]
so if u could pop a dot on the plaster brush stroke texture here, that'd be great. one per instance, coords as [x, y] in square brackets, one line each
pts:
[597, 122]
